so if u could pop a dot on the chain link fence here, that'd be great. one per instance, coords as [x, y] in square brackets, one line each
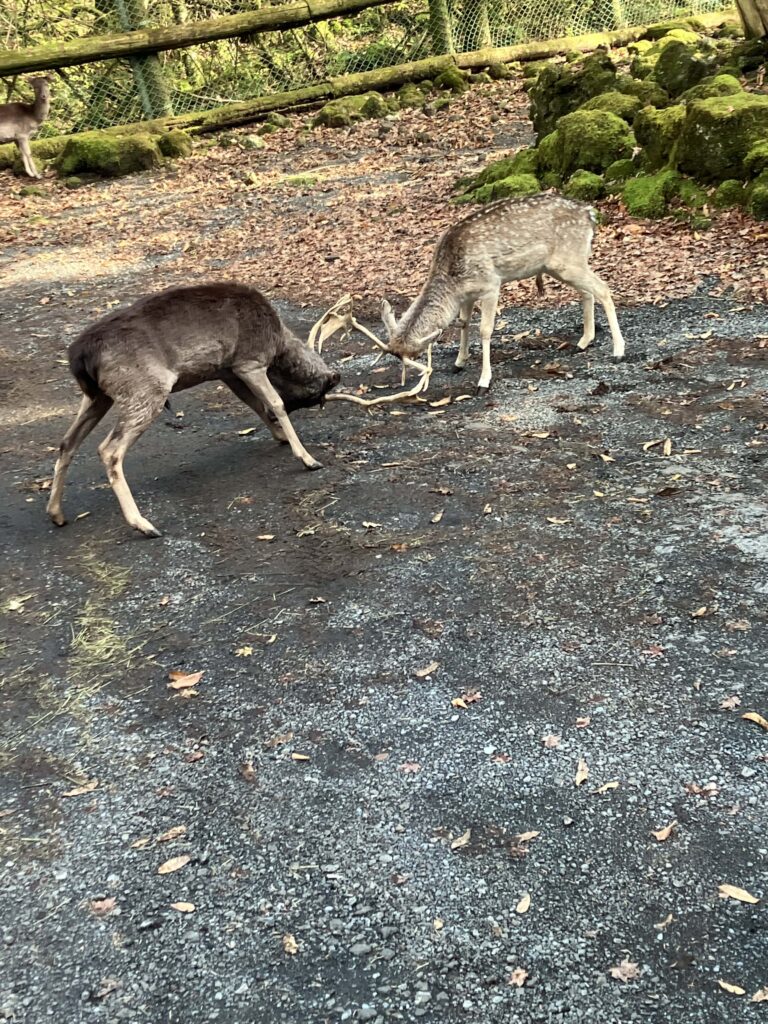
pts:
[201, 77]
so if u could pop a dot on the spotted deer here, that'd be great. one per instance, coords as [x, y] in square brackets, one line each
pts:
[505, 241]
[19, 121]
[135, 357]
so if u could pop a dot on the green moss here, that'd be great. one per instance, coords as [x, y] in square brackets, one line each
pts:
[512, 176]
[562, 89]
[729, 193]
[646, 90]
[756, 160]
[719, 133]
[648, 194]
[109, 156]
[451, 80]
[656, 131]
[663, 28]
[749, 55]
[515, 185]
[644, 62]
[617, 103]
[300, 180]
[278, 120]
[682, 65]
[442, 103]
[42, 150]
[499, 72]
[255, 141]
[620, 170]
[533, 68]
[343, 112]
[690, 194]
[73, 182]
[550, 179]
[30, 191]
[585, 185]
[267, 129]
[410, 95]
[426, 85]
[480, 78]
[376, 106]
[175, 144]
[757, 201]
[716, 85]
[588, 140]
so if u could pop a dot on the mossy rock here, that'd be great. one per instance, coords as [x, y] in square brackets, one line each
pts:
[682, 65]
[716, 85]
[648, 194]
[749, 55]
[620, 171]
[32, 191]
[645, 60]
[505, 188]
[550, 179]
[480, 78]
[729, 193]
[719, 133]
[562, 89]
[617, 103]
[451, 80]
[499, 72]
[585, 185]
[277, 120]
[109, 156]
[376, 106]
[175, 144]
[657, 131]
[525, 162]
[663, 28]
[757, 201]
[442, 103]
[410, 95]
[646, 90]
[73, 182]
[756, 160]
[426, 85]
[346, 110]
[588, 140]
[267, 129]
[300, 180]
[730, 30]
[693, 196]
[532, 69]
[255, 141]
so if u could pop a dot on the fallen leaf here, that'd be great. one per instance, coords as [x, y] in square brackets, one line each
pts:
[438, 924]
[383, 756]
[183, 680]
[663, 834]
[524, 904]
[606, 458]
[651, 444]
[246, 432]
[761, 996]
[583, 723]
[518, 977]
[440, 490]
[526, 837]
[551, 741]
[290, 945]
[300, 757]
[667, 449]
[172, 833]
[422, 673]
[279, 740]
[654, 650]
[16, 604]
[174, 864]
[164, 600]
[437, 516]
[729, 703]
[735, 893]
[410, 768]
[87, 787]
[750, 716]
[707, 790]
[142, 843]
[194, 755]
[726, 986]
[102, 908]
[625, 971]
[244, 652]
[606, 787]
[570, 465]
[183, 908]
[462, 840]
[699, 613]
[265, 536]
[247, 772]
[487, 510]
[662, 925]
[440, 402]
[502, 758]
[582, 772]
[458, 702]
[107, 987]
[557, 522]
[371, 526]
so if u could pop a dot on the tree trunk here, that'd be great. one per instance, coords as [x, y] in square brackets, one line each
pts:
[440, 26]
[474, 28]
[754, 16]
[147, 71]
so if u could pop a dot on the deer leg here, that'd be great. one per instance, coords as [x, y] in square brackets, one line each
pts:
[465, 315]
[585, 280]
[91, 411]
[245, 394]
[130, 426]
[487, 304]
[257, 380]
[26, 156]
[588, 305]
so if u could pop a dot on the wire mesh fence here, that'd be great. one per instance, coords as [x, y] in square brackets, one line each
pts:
[113, 92]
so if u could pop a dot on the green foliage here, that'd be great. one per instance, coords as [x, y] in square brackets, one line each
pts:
[585, 185]
[109, 156]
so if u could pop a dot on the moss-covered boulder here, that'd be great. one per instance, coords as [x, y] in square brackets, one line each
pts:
[515, 185]
[255, 141]
[715, 85]
[648, 194]
[376, 106]
[756, 160]
[617, 103]
[451, 80]
[682, 65]
[42, 150]
[729, 193]
[108, 155]
[346, 110]
[480, 78]
[749, 54]
[585, 185]
[515, 175]
[718, 134]
[499, 72]
[657, 131]
[588, 140]
[646, 58]
[175, 144]
[410, 95]
[646, 90]
[620, 171]
[560, 89]
[757, 202]
[663, 28]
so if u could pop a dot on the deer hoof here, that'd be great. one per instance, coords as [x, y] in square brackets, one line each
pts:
[145, 527]
[481, 390]
[457, 368]
[58, 518]
[314, 464]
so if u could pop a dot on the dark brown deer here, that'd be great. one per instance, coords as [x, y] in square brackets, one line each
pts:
[505, 241]
[19, 121]
[136, 357]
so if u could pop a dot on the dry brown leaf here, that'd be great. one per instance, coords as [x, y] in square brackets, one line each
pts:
[583, 723]
[761, 996]
[183, 908]
[87, 787]
[606, 458]
[437, 516]
[735, 893]
[458, 702]
[265, 536]
[290, 945]
[625, 971]
[518, 977]
[102, 908]
[606, 787]
[735, 990]
[440, 402]
[244, 652]
[462, 840]
[422, 673]
[551, 741]
[651, 444]
[524, 904]
[750, 716]
[699, 613]
[729, 703]
[247, 771]
[174, 864]
[370, 526]
[410, 768]
[557, 522]
[582, 772]
[664, 833]
[667, 449]
[142, 843]
[183, 680]
[279, 740]
[172, 833]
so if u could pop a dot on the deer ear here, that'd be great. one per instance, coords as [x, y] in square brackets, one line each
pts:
[388, 317]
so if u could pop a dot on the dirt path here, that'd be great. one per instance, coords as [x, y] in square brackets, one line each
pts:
[587, 597]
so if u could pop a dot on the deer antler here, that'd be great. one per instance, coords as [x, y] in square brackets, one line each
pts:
[330, 322]
[421, 385]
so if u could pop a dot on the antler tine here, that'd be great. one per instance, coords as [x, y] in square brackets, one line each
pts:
[421, 385]
[406, 360]
[331, 321]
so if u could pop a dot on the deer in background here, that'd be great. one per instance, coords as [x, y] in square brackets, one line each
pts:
[505, 241]
[19, 121]
[135, 357]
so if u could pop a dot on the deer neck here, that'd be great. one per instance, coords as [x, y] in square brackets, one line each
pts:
[435, 308]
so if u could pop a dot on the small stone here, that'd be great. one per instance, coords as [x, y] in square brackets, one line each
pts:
[422, 997]
[360, 948]
[366, 1013]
